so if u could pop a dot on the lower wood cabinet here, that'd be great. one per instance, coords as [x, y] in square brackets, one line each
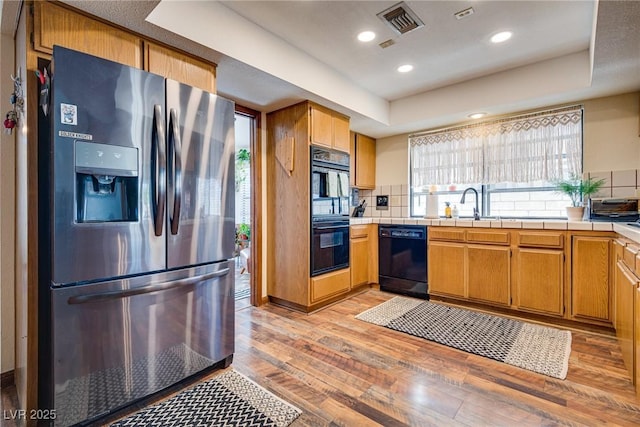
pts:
[626, 289]
[330, 284]
[526, 270]
[359, 256]
[364, 254]
[489, 274]
[636, 328]
[591, 290]
[539, 281]
[461, 267]
[447, 269]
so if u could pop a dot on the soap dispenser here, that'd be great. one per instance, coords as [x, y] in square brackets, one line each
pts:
[447, 210]
[454, 212]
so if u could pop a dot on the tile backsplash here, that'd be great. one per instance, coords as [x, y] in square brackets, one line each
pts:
[622, 183]
[398, 201]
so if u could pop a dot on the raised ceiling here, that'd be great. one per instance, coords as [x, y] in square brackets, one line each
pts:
[273, 53]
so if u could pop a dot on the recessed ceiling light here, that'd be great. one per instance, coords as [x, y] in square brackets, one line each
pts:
[501, 37]
[366, 36]
[477, 115]
[405, 68]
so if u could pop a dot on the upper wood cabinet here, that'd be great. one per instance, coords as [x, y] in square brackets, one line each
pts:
[178, 66]
[56, 25]
[329, 128]
[363, 161]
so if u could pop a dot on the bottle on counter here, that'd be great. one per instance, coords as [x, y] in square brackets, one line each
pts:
[447, 210]
[454, 212]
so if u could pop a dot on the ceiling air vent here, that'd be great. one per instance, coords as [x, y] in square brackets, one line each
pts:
[464, 13]
[400, 18]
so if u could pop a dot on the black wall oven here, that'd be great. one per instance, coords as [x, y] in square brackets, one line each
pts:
[329, 210]
[329, 246]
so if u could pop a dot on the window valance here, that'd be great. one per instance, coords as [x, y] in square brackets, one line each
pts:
[543, 146]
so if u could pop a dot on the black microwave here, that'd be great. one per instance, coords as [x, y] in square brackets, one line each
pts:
[614, 209]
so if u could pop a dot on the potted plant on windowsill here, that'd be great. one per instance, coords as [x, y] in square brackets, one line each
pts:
[578, 190]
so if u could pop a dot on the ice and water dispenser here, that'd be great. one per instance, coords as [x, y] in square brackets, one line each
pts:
[106, 182]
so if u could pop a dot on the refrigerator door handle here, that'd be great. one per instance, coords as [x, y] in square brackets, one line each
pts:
[158, 169]
[164, 286]
[175, 175]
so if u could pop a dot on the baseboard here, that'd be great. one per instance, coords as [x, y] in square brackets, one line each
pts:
[7, 379]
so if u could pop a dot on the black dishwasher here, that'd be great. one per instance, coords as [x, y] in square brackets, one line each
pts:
[402, 259]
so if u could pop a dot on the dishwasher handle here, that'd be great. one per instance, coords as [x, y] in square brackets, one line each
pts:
[414, 233]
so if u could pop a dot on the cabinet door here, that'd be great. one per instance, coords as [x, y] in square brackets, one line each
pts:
[636, 327]
[446, 269]
[60, 26]
[340, 128]
[626, 288]
[321, 127]
[330, 284]
[365, 162]
[359, 261]
[180, 67]
[590, 287]
[539, 281]
[489, 273]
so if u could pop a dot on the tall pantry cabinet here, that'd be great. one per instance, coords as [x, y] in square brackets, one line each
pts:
[290, 133]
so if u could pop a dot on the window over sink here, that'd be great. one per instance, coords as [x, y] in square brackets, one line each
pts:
[512, 164]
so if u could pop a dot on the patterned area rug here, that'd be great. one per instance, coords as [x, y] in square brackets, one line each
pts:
[536, 348]
[230, 399]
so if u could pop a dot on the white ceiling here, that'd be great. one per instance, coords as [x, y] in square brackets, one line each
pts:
[272, 54]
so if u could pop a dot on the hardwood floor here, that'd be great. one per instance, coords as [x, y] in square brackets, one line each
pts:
[341, 371]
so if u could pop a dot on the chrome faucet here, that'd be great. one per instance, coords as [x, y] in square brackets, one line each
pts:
[476, 212]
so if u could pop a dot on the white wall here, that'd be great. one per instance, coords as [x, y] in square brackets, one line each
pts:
[611, 141]
[7, 209]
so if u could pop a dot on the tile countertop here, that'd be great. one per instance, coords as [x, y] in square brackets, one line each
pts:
[621, 228]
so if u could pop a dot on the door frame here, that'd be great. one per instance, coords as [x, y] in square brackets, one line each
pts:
[255, 172]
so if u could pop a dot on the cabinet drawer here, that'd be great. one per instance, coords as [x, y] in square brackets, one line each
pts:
[330, 284]
[450, 234]
[629, 256]
[359, 231]
[491, 237]
[541, 240]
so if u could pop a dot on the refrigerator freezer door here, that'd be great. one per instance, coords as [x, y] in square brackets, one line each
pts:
[102, 128]
[200, 192]
[118, 341]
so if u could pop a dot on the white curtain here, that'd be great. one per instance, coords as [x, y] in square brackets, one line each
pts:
[542, 146]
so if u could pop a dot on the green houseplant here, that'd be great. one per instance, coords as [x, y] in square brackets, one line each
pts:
[243, 158]
[243, 234]
[578, 190]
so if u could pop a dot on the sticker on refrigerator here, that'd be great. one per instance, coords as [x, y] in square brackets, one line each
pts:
[69, 114]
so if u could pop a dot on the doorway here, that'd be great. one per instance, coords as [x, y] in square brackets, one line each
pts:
[247, 241]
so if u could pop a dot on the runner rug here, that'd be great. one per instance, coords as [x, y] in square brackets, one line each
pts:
[537, 348]
[230, 399]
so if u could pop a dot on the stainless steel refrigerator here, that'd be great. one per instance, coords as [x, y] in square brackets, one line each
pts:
[137, 215]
